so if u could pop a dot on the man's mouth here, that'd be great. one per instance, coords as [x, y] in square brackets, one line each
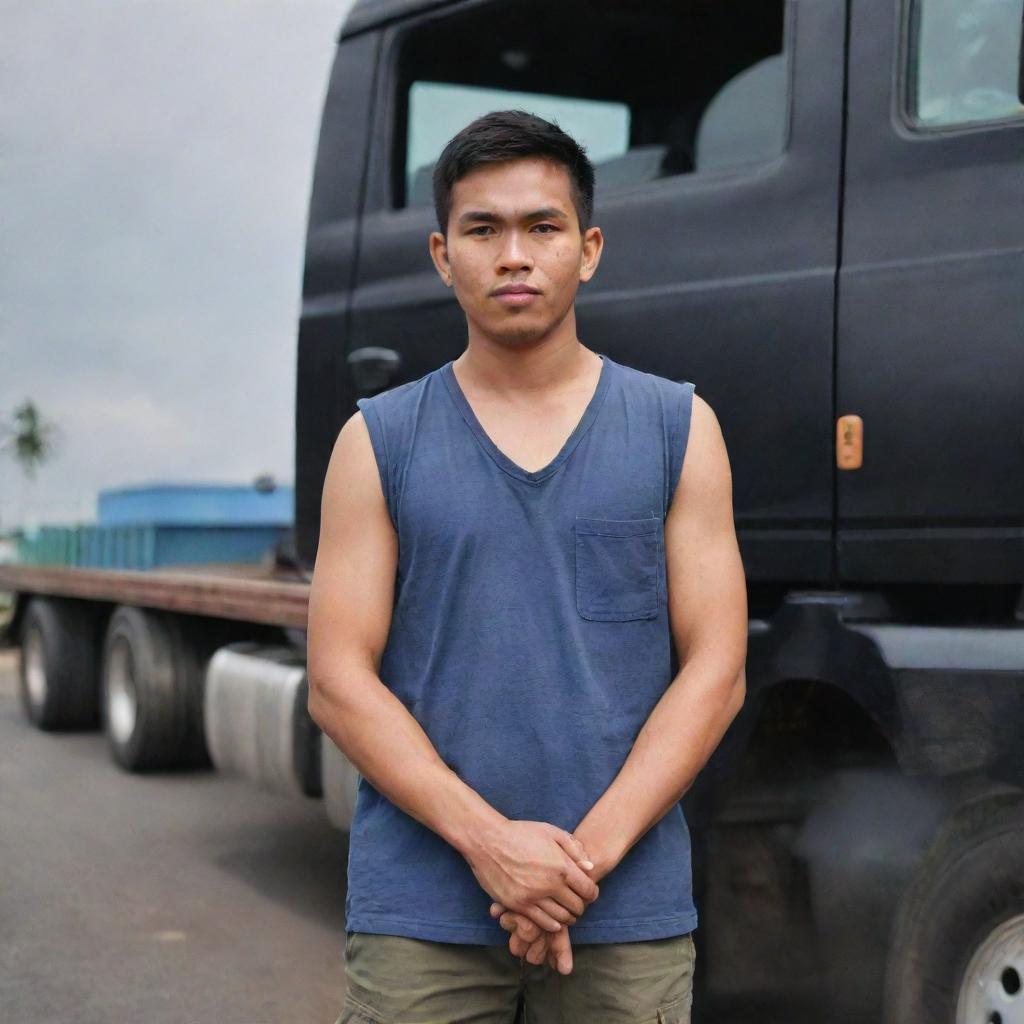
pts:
[515, 294]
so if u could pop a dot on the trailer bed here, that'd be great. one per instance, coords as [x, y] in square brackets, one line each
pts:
[246, 592]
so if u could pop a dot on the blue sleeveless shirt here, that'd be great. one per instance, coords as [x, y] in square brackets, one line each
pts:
[530, 639]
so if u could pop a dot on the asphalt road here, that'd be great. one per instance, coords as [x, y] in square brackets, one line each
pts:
[176, 898]
[171, 898]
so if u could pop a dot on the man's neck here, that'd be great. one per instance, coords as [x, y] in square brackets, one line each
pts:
[554, 365]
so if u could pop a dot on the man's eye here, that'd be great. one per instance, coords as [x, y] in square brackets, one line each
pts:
[545, 228]
[479, 230]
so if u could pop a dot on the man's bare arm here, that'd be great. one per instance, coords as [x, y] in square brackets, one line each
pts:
[350, 609]
[708, 617]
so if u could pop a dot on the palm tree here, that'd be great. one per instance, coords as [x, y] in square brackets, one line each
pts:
[31, 441]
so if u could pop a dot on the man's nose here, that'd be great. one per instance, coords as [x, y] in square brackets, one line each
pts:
[514, 254]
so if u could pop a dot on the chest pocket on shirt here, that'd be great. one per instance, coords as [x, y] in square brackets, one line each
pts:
[617, 568]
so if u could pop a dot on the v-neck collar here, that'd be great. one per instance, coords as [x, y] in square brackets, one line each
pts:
[500, 458]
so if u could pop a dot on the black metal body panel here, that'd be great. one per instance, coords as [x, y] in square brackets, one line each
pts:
[930, 332]
[727, 278]
[948, 700]
[369, 14]
[734, 280]
[331, 241]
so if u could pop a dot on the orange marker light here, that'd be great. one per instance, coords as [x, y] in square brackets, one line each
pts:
[849, 442]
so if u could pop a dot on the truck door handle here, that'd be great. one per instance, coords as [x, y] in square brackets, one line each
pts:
[373, 369]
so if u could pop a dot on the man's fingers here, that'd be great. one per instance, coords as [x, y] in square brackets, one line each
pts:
[563, 959]
[559, 912]
[541, 918]
[559, 954]
[570, 904]
[573, 847]
[497, 909]
[580, 882]
[567, 898]
[519, 925]
[538, 950]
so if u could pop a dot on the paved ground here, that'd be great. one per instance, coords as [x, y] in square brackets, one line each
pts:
[176, 898]
[181, 898]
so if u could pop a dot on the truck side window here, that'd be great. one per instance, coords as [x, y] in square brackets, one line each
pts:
[652, 87]
[964, 61]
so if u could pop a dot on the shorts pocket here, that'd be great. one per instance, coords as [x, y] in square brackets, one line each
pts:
[676, 1012]
[617, 568]
[355, 1012]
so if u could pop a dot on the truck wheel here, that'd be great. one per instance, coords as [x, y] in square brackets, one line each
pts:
[860, 843]
[958, 945]
[151, 691]
[58, 681]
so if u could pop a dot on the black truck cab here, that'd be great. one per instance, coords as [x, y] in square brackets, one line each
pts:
[814, 210]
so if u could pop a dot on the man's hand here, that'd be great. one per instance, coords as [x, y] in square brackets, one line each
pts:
[533, 943]
[531, 867]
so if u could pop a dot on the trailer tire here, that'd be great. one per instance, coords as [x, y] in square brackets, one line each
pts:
[959, 932]
[58, 664]
[151, 691]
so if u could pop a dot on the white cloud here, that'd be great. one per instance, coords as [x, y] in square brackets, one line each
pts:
[156, 159]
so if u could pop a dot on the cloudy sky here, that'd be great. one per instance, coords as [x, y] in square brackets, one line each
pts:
[155, 164]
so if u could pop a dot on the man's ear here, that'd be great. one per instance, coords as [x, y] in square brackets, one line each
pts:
[439, 254]
[593, 246]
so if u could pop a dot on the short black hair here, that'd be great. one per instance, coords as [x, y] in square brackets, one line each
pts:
[512, 135]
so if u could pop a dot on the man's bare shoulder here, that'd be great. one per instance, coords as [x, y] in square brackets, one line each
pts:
[706, 478]
[352, 445]
[352, 482]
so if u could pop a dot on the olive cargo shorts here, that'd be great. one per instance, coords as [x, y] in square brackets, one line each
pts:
[397, 980]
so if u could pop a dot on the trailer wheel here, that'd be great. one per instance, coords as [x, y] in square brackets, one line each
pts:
[58, 682]
[151, 691]
[958, 945]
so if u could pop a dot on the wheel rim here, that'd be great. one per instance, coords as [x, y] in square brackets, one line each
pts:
[122, 695]
[992, 991]
[35, 668]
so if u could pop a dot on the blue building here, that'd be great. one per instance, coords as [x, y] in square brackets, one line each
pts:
[147, 526]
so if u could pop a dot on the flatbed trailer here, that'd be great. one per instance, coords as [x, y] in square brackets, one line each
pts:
[240, 592]
[190, 666]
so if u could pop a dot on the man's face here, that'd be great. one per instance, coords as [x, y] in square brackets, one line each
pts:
[514, 252]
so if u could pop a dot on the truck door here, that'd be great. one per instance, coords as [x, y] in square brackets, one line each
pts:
[931, 317]
[716, 129]
[331, 235]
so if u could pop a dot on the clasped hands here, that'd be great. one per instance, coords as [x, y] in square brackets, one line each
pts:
[537, 875]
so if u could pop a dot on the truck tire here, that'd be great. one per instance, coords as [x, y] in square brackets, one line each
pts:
[58, 679]
[958, 941]
[151, 691]
[860, 844]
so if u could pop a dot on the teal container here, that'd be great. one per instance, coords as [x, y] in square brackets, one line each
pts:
[168, 524]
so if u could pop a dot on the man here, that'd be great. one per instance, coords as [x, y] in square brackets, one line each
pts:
[510, 548]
